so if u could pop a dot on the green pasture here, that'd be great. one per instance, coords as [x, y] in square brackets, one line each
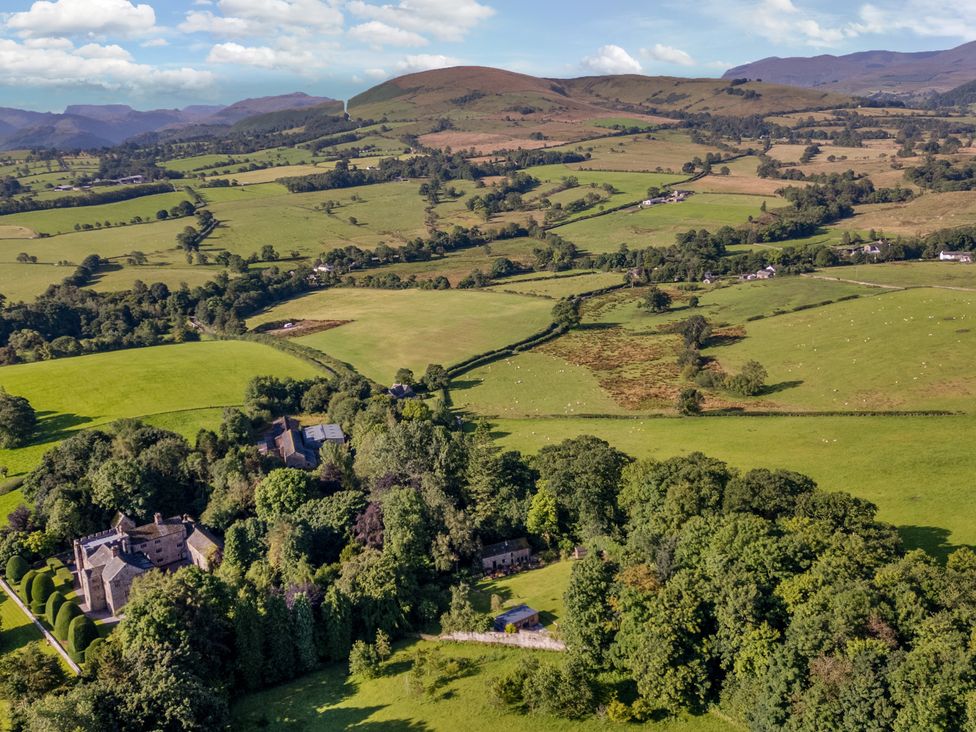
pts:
[171, 275]
[664, 149]
[541, 589]
[903, 350]
[629, 186]
[532, 384]
[412, 328]
[558, 287]
[27, 281]
[63, 220]
[911, 467]
[457, 265]
[387, 212]
[329, 699]
[184, 385]
[908, 274]
[657, 225]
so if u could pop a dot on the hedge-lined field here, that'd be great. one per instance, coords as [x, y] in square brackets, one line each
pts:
[412, 328]
[63, 220]
[184, 385]
[918, 470]
[330, 700]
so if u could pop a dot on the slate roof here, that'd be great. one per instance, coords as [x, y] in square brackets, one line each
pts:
[504, 547]
[318, 434]
[151, 531]
[202, 541]
[515, 615]
[137, 562]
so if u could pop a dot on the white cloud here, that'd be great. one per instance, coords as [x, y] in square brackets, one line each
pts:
[376, 73]
[263, 57]
[425, 62]
[206, 22]
[446, 20]
[612, 59]
[922, 17]
[155, 43]
[668, 55]
[83, 17]
[300, 16]
[378, 34]
[108, 67]
[782, 21]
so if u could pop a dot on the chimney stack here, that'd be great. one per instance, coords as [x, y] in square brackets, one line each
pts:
[157, 518]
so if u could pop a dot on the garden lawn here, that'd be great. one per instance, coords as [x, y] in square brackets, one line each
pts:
[911, 467]
[182, 386]
[903, 350]
[541, 589]
[412, 328]
[657, 225]
[330, 700]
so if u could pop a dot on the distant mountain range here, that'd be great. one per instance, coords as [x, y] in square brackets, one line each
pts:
[869, 73]
[94, 125]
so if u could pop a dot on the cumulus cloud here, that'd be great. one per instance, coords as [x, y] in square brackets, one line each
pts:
[263, 57]
[923, 17]
[83, 17]
[612, 59]
[197, 21]
[425, 62]
[59, 63]
[784, 22]
[155, 43]
[668, 55]
[446, 20]
[376, 73]
[304, 16]
[378, 34]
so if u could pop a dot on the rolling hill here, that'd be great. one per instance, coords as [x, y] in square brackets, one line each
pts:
[474, 91]
[869, 72]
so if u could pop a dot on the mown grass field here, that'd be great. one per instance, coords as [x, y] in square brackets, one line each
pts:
[903, 350]
[644, 152]
[541, 589]
[911, 467]
[63, 220]
[908, 274]
[330, 700]
[412, 328]
[387, 212]
[182, 386]
[657, 225]
[919, 216]
[557, 287]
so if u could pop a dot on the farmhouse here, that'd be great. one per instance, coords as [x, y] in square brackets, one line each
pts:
[401, 391]
[106, 563]
[521, 617]
[964, 257]
[672, 197]
[505, 554]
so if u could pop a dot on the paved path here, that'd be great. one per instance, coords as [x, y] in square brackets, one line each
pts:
[47, 635]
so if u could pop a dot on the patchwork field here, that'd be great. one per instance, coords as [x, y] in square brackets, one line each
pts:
[900, 351]
[557, 287]
[909, 274]
[916, 217]
[657, 225]
[330, 700]
[412, 328]
[183, 385]
[541, 589]
[910, 467]
[645, 152]
[63, 220]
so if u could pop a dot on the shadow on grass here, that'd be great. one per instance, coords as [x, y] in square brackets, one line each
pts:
[311, 704]
[56, 426]
[781, 386]
[597, 326]
[462, 384]
[931, 539]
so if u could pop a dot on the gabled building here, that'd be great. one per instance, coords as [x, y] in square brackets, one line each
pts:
[505, 554]
[108, 562]
[286, 442]
[963, 257]
[401, 391]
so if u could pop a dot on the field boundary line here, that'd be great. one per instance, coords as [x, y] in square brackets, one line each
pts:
[44, 631]
[726, 415]
[858, 282]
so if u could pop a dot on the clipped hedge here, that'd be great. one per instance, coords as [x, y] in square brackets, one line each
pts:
[67, 612]
[81, 633]
[51, 607]
[93, 647]
[25, 584]
[17, 567]
[41, 588]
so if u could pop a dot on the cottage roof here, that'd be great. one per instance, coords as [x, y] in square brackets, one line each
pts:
[125, 563]
[319, 433]
[166, 527]
[516, 615]
[401, 391]
[102, 555]
[504, 547]
[201, 540]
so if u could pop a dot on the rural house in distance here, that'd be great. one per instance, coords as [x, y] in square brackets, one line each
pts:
[521, 617]
[296, 447]
[505, 554]
[106, 563]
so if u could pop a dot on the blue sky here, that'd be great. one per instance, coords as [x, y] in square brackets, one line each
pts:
[166, 53]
